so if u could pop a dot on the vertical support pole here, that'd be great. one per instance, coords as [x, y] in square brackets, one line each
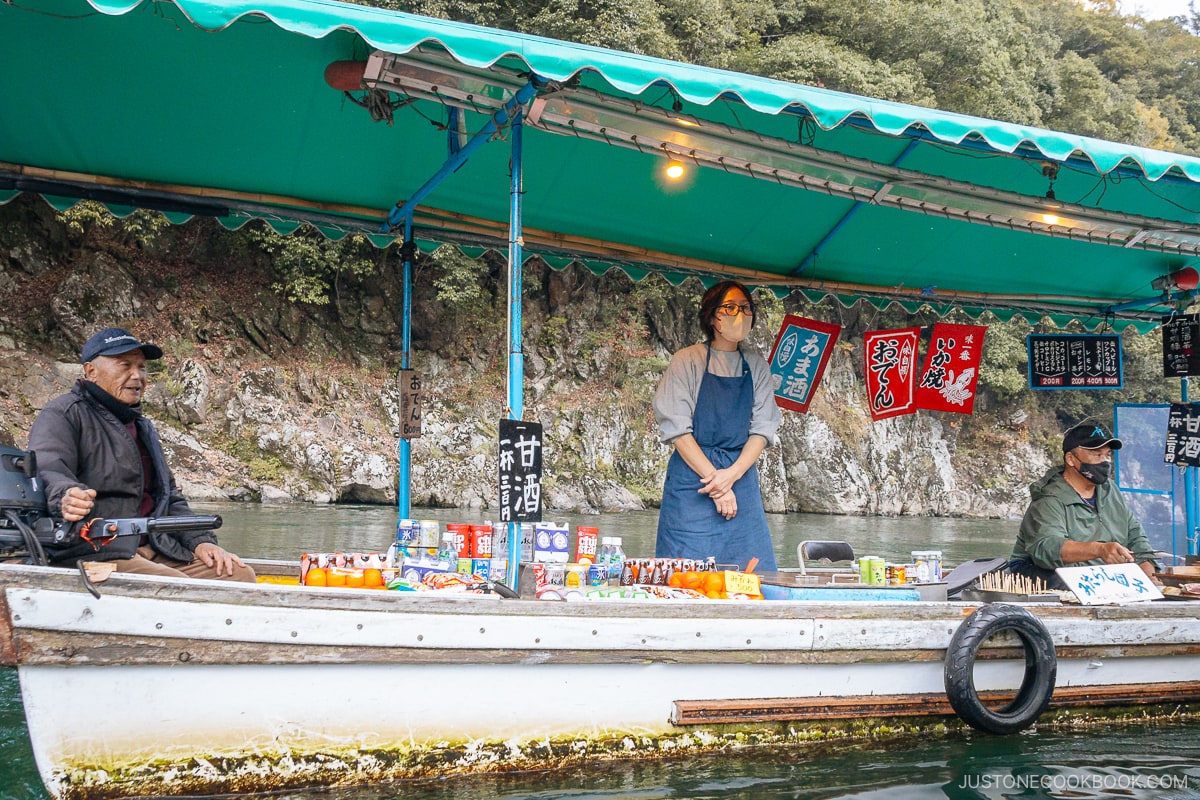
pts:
[1189, 490]
[404, 464]
[516, 359]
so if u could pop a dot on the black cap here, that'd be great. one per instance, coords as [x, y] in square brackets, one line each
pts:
[113, 342]
[1089, 436]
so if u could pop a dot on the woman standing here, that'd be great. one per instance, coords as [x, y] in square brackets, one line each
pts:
[716, 406]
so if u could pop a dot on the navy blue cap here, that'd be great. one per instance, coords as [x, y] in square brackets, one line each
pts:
[113, 342]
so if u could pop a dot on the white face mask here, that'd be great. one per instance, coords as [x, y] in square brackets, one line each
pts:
[733, 329]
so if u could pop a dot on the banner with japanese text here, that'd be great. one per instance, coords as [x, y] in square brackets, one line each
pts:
[798, 358]
[951, 368]
[890, 371]
[520, 471]
[1183, 435]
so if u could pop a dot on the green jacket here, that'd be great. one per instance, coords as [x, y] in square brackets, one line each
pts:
[1057, 513]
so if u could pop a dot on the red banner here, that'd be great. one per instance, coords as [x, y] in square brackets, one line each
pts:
[890, 370]
[951, 368]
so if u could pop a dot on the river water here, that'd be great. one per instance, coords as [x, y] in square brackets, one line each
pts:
[1154, 760]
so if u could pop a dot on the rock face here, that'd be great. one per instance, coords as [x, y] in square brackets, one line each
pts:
[267, 404]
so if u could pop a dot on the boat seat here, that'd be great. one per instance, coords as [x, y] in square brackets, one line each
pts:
[824, 551]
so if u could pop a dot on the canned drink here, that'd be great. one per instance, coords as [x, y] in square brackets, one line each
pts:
[498, 569]
[928, 565]
[864, 569]
[585, 543]
[481, 541]
[597, 575]
[481, 567]
[408, 532]
[556, 574]
[576, 576]
[431, 533]
[897, 574]
[878, 571]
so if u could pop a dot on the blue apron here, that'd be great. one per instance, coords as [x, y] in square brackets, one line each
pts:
[688, 523]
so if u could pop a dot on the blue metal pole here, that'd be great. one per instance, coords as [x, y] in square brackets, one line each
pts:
[499, 120]
[516, 359]
[404, 465]
[837, 227]
[1189, 488]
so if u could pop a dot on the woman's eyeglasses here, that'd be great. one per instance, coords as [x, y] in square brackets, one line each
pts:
[733, 309]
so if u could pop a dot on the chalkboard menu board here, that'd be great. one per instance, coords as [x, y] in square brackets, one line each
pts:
[1074, 361]
[1181, 345]
[520, 471]
[1183, 435]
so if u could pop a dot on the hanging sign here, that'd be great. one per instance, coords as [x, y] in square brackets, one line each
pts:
[520, 471]
[798, 359]
[1183, 435]
[410, 404]
[1181, 345]
[1109, 584]
[1074, 361]
[890, 371]
[951, 368]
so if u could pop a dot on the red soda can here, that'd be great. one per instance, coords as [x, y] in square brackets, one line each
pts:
[481, 541]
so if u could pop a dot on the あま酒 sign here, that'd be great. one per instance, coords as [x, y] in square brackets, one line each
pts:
[799, 357]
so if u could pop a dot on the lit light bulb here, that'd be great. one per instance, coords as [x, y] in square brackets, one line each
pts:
[674, 170]
[1050, 219]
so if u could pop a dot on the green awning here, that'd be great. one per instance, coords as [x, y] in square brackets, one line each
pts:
[222, 109]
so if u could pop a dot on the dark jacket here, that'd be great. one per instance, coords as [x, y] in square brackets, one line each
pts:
[79, 442]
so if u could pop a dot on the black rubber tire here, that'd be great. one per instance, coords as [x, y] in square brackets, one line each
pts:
[1041, 669]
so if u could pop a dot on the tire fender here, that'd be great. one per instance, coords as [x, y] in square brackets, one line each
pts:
[1037, 685]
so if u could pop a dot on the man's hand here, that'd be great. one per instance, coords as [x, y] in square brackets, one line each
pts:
[1114, 553]
[217, 557]
[77, 503]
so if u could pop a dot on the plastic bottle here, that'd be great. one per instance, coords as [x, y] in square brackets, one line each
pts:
[604, 557]
[616, 562]
[448, 552]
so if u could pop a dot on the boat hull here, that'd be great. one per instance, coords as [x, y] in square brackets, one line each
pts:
[163, 687]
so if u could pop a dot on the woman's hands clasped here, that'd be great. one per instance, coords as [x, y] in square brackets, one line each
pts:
[719, 487]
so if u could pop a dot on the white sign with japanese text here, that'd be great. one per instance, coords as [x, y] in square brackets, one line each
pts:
[1109, 584]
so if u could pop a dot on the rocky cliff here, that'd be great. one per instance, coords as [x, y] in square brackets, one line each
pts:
[266, 399]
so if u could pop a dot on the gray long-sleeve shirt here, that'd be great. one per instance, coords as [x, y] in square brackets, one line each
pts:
[675, 398]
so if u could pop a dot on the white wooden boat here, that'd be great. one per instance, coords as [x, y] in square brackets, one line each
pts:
[168, 687]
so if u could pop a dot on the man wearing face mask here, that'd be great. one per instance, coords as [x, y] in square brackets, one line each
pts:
[716, 406]
[1077, 517]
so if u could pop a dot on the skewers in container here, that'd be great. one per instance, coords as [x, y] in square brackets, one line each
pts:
[1004, 587]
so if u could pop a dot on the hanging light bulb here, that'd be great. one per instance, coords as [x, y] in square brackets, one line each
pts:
[674, 169]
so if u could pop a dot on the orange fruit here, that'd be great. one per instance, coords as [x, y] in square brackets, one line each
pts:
[714, 582]
[372, 578]
[315, 577]
[675, 580]
[713, 595]
[335, 578]
[356, 579]
[692, 580]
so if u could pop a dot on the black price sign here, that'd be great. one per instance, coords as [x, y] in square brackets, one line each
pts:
[1183, 435]
[1181, 345]
[1074, 361]
[520, 471]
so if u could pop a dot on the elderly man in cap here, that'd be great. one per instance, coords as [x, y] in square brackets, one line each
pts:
[1076, 517]
[98, 456]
